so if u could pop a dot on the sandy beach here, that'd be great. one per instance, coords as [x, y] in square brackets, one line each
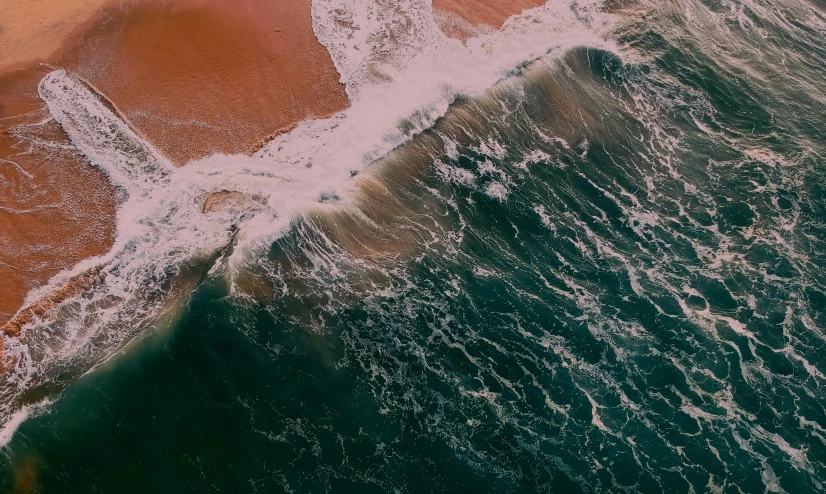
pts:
[55, 209]
[464, 19]
[193, 77]
[197, 77]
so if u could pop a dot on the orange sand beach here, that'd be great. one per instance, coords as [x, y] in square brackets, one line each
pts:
[465, 19]
[194, 77]
[32, 30]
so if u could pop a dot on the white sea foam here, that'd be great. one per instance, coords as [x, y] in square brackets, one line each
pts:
[12, 424]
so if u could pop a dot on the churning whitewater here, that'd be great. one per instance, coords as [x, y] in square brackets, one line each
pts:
[583, 253]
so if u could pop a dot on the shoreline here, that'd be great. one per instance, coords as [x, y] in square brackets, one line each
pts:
[262, 65]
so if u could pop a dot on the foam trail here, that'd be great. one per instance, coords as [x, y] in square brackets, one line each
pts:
[11, 426]
[99, 134]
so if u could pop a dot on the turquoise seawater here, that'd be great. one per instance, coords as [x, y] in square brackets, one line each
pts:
[608, 273]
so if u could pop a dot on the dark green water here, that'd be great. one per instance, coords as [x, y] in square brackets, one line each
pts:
[607, 274]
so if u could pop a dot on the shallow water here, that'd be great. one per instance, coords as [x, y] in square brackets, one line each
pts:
[605, 273]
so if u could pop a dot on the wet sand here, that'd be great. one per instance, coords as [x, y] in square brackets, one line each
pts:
[465, 19]
[31, 30]
[197, 77]
[194, 77]
[55, 209]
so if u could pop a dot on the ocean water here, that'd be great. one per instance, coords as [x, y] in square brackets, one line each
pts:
[597, 268]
